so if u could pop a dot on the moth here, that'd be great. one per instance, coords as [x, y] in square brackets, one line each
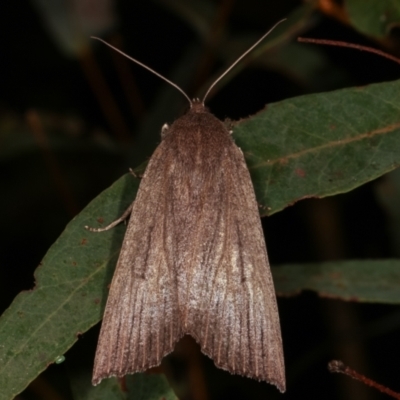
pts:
[193, 260]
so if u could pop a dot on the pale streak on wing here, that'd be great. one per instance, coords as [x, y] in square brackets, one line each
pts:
[232, 309]
[141, 320]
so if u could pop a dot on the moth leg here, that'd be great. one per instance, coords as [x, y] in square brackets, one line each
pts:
[133, 173]
[123, 217]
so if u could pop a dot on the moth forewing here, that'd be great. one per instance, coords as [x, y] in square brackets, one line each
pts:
[234, 313]
[140, 324]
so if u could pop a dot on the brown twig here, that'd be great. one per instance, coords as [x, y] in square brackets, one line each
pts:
[349, 45]
[340, 367]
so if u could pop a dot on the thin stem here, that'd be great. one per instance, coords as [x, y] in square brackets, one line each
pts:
[350, 45]
[340, 367]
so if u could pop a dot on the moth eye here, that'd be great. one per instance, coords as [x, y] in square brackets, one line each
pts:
[164, 130]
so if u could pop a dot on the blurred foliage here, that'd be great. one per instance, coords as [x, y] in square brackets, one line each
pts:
[75, 116]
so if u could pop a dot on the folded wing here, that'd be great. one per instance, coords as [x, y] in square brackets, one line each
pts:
[193, 261]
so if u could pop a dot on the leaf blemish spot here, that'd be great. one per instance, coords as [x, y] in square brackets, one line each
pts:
[284, 161]
[300, 172]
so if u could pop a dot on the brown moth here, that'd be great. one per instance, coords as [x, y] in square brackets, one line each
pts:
[193, 260]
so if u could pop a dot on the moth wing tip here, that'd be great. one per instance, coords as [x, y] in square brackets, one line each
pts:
[98, 377]
[279, 384]
[96, 380]
[275, 378]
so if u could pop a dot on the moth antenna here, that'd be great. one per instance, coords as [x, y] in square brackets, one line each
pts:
[350, 45]
[240, 58]
[145, 66]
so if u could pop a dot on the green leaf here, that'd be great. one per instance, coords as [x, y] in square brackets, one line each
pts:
[108, 389]
[69, 296]
[373, 281]
[143, 386]
[374, 17]
[315, 145]
[321, 144]
[149, 387]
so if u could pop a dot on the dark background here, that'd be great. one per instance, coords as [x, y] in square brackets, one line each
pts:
[58, 151]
